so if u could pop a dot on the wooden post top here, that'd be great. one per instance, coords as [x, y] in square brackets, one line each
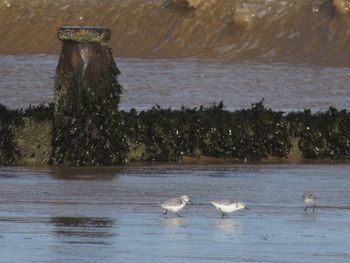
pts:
[84, 34]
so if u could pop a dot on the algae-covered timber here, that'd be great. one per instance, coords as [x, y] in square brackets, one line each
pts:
[86, 100]
[166, 135]
[324, 135]
[9, 119]
[84, 34]
[25, 136]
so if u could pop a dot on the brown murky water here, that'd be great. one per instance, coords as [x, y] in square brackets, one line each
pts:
[28, 80]
[112, 214]
[305, 31]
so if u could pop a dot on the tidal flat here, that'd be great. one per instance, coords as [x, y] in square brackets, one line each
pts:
[65, 214]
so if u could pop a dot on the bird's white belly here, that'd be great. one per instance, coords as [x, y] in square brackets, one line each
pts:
[227, 208]
[309, 202]
[174, 208]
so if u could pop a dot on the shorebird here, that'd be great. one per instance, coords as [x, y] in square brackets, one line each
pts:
[310, 201]
[225, 206]
[175, 204]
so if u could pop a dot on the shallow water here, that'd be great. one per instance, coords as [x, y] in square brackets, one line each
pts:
[112, 214]
[28, 80]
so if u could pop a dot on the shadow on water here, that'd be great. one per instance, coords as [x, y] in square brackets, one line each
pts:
[85, 173]
[83, 229]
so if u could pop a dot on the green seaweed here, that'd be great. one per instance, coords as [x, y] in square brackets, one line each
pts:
[25, 135]
[82, 36]
[86, 118]
[324, 135]
[33, 139]
[167, 135]
[9, 119]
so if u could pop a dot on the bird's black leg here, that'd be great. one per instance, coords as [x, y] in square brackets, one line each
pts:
[178, 215]
[166, 211]
[222, 214]
[313, 209]
[306, 208]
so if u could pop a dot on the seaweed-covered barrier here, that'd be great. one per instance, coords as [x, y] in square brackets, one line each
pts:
[86, 100]
[25, 136]
[160, 134]
[84, 127]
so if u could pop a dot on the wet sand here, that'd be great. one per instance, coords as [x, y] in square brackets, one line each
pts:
[112, 214]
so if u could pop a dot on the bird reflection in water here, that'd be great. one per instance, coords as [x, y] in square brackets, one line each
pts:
[174, 222]
[229, 226]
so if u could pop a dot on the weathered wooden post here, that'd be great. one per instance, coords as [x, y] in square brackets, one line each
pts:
[86, 99]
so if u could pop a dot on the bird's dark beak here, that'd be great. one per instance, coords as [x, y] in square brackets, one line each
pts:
[246, 208]
[190, 202]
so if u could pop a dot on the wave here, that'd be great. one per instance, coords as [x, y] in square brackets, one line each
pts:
[316, 31]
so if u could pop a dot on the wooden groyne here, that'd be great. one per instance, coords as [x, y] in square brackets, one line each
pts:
[84, 126]
[254, 134]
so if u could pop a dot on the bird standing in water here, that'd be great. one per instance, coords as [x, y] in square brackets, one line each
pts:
[309, 201]
[225, 206]
[175, 204]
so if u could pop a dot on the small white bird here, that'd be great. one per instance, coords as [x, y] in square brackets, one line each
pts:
[175, 204]
[225, 206]
[309, 201]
